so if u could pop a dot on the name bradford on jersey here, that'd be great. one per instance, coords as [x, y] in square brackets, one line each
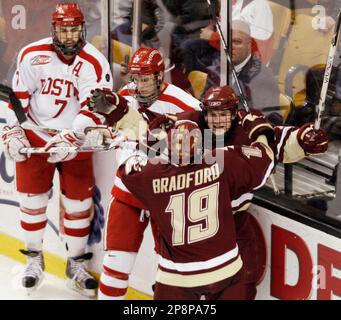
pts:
[182, 181]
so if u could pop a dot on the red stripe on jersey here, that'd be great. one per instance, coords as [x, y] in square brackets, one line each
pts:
[42, 47]
[92, 116]
[112, 292]
[33, 226]
[77, 232]
[22, 94]
[118, 173]
[98, 68]
[126, 198]
[176, 101]
[84, 103]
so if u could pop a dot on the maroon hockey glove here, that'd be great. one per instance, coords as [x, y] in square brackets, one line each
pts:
[312, 142]
[161, 122]
[109, 104]
[255, 125]
[159, 126]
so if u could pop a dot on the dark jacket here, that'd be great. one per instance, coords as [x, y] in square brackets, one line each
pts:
[260, 86]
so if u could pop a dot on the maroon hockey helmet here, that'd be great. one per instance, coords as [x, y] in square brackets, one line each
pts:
[184, 142]
[220, 98]
[68, 14]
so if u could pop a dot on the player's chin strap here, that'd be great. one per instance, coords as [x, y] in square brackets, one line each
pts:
[234, 74]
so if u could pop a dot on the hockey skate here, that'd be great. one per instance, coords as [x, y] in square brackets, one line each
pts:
[34, 271]
[79, 279]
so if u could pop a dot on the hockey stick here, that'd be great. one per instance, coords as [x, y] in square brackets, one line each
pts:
[234, 72]
[327, 73]
[34, 150]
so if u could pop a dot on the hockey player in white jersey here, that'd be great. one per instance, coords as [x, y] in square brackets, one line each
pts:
[53, 80]
[151, 96]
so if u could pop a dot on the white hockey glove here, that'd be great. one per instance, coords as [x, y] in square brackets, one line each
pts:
[14, 139]
[66, 138]
[135, 162]
[103, 136]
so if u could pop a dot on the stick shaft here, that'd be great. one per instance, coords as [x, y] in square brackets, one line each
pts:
[327, 73]
[35, 150]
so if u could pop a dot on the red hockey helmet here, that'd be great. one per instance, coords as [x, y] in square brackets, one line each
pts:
[184, 142]
[220, 98]
[68, 14]
[146, 61]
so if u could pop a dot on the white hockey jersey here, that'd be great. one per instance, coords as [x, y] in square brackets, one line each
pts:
[171, 100]
[53, 92]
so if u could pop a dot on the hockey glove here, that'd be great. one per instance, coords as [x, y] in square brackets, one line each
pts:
[109, 104]
[14, 139]
[158, 126]
[68, 139]
[255, 125]
[312, 142]
[103, 136]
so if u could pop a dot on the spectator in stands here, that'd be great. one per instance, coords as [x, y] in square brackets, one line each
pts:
[258, 81]
[189, 17]
[203, 54]
[258, 14]
[93, 16]
[120, 12]
[151, 22]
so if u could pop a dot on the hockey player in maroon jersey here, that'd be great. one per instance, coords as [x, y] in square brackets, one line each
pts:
[53, 80]
[190, 203]
[222, 124]
[150, 96]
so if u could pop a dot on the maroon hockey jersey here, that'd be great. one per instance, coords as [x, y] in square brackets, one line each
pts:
[191, 206]
[285, 138]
